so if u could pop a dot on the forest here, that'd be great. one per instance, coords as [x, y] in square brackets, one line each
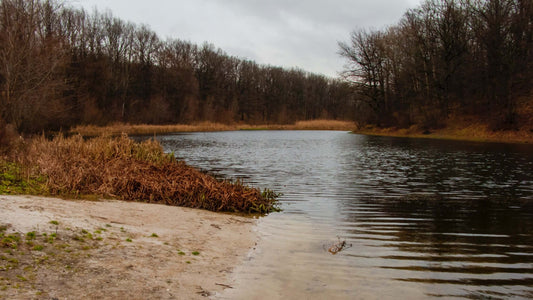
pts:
[443, 59]
[61, 66]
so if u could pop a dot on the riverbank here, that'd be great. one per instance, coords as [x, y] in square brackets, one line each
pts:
[59, 249]
[120, 168]
[145, 129]
[461, 131]
[474, 132]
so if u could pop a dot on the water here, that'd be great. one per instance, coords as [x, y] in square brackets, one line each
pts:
[422, 218]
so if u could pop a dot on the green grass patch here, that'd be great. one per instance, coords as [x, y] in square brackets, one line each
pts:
[13, 261]
[38, 247]
[14, 180]
[10, 241]
[78, 238]
[31, 235]
[22, 278]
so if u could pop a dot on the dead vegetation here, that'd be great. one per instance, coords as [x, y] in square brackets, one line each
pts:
[459, 129]
[123, 169]
[146, 129]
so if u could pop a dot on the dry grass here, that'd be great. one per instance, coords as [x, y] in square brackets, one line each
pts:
[145, 129]
[470, 128]
[457, 131]
[324, 125]
[124, 169]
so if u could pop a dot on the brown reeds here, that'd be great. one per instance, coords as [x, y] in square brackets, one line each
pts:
[146, 129]
[124, 169]
[474, 131]
[324, 125]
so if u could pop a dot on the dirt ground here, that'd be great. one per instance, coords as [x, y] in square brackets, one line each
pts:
[73, 249]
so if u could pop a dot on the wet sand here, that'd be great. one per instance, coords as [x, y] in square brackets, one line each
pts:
[128, 250]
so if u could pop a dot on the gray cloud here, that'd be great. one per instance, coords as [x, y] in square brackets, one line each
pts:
[290, 33]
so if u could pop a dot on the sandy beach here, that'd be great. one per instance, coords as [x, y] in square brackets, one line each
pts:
[116, 250]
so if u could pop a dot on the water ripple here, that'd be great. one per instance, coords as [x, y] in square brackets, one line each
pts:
[423, 218]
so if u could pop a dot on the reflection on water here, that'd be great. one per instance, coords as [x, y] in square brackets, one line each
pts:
[425, 218]
[481, 247]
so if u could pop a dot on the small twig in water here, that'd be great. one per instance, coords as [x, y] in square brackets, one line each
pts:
[339, 246]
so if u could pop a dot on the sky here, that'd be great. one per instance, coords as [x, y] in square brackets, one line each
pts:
[300, 34]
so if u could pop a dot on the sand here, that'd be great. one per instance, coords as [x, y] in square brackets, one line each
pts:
[120, 250]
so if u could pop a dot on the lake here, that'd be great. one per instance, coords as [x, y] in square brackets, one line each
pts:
[420, 218]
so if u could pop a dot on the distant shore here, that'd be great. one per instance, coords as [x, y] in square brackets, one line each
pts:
[145, 129]
[53, 248]
[474, 133]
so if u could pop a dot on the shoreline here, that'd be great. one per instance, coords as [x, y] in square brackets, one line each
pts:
[145, 129]
[116, 249]
[474, 133]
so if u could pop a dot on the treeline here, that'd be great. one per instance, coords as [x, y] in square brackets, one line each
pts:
[446, 57]
[61, 66]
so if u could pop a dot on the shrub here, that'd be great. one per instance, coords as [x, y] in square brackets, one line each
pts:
[121, 168]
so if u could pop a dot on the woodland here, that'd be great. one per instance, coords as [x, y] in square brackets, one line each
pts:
[61, 66]
[444, 59]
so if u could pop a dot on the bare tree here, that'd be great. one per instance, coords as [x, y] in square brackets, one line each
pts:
[31, 65]
[366, 68]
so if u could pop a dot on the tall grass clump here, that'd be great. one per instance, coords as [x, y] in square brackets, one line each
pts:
[122, 168]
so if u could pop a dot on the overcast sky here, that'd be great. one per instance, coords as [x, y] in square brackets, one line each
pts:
[288, 33]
